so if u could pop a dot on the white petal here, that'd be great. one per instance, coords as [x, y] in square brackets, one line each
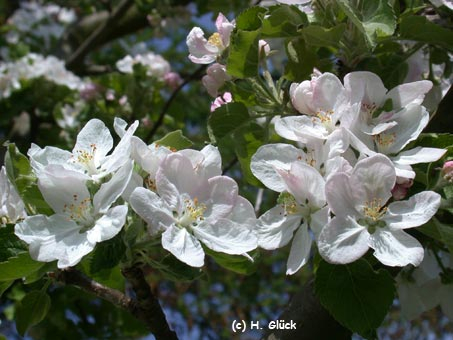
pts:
[242, 211]
[223, 193]
[365, 87]
[94, 133]
[419, 155]
[405, 94]
[275, 228]
[396, 248]
[40, 158]
[319, 220]
[151, 208]
[300, 250]
[183, 246]
[270, 157]
[301, 128]
[414, 212]
[54, 238]
[111, 190]
[374, 177]
[328, 93]
[61, 188]
[343, 241]
[108, 225]
[342, 199]
[227, 236]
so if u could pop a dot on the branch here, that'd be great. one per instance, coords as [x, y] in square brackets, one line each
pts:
[74, 277]
[148, 307]
[170, 100]
[75, 61]
[312, 320]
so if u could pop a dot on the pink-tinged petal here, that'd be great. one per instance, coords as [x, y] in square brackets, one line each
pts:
[175, 177]
[201, 51]
[275, 228]
[373, 178]
[342, 199]
[151, 208]
[414, 212]
[61, 188]
[224, 27]
[365, 87]
[301, 128]
[109, 225]
[343, 241]
[300, 250]
[419, 155]
[408, 93]
[94, 135]
[305, 184]
[396, 248]
[226, 236]
[223, 193]
[183, 246]
[270, 157]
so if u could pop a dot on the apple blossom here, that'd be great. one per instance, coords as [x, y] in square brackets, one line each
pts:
[215, 78]
[362, 219]
[89, 155]
[155, 64]
[221, 100]
[80, 220]
[204, 51]
[191, 208]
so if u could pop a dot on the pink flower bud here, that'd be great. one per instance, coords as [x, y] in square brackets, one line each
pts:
[447, 171]
[221, 100]
[173, 79]
[401, 188]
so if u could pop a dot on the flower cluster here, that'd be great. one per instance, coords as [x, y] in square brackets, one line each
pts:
[156, 66]
[34, 66]
[181, 195]
[338, 182]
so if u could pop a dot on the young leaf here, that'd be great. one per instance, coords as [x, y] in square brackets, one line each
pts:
[31, 310]
[320, 36]
[18, 267]
[10, 244]
[357, 296]
[283, 21]
[4, 286]
[244, 54]
[107, 254]
[236, 263]
[175, 140]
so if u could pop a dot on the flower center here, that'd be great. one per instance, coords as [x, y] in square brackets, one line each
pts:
[374, 210]
[216, 40]
[86, 158]
[325, 116]
[288, 203]
[192, 214]
[80, 211]
[384, 140]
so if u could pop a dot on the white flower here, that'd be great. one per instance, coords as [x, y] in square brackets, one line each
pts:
[155, 64]
[204, 51]
[89, 155]
[80, 221]
[362, 219]
[12, 207]
[424, 289]
[190, 207]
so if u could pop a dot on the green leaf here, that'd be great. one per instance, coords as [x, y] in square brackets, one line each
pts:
[10, 244]
[445, 232]
[244, 54]
[357, 296]
[375, 19]
[174, 270]
[236, 263]
[250, 19]
[4, 286]
[418, 28]
[301, 60]
[246, 141]
[283, 21]
[227, 119]
[175, 140]
[320, 36]
[107, 254]
[31, 310]
[18, 267]
[21, 175]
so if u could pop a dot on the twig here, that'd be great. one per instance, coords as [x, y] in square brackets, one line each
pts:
[170, 100]
[76, 59]
[74, 277]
